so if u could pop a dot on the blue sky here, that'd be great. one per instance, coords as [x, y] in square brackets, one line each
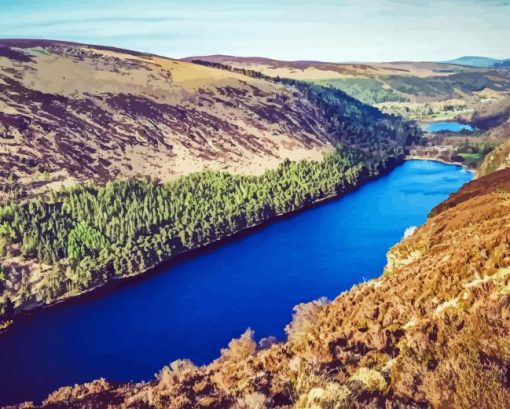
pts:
[329, 30]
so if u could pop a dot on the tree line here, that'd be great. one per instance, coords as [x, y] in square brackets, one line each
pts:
[347, 119]
[84, 236]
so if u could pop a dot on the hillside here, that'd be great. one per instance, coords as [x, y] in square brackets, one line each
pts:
[419, 90]
[72, 113]
[495, 120]
[474, 61]
[493, 115]
[433, 331]
[115, 161]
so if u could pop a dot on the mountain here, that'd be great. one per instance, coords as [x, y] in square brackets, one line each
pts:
[307, 70]
[417, 90]
[114, 161]
[480, 62]
[495, 120]
[432, 331]
[72, 113]
[493, 115]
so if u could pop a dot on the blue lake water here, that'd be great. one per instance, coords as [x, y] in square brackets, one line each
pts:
[448, 126]
[195, 306]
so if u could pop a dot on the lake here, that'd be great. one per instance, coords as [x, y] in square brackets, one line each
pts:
[193, 307]
[447, 126]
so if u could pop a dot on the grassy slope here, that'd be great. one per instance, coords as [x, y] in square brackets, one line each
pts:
[72, 112]
[420, 90]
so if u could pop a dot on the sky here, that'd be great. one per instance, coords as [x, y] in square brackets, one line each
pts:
[326, 30]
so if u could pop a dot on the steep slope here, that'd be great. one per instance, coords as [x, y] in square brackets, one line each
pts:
[499, 158]
[126, 124]
[495, 120]
[72, 112]
[422, 90]
[433, 331]
[493, 115]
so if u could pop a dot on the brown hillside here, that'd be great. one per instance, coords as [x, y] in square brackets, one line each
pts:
[433, 331]
[72, 112]
[423, 91]
[496, 119]
[312, 70]
[492, 115]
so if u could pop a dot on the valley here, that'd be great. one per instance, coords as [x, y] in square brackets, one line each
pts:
[479, 142]
[96, 214]
[239, 187]
[423, 91]
[222, 291]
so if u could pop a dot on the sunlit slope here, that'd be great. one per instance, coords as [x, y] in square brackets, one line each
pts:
[433, 331]
[495, 120]
[80, 112]
[72, 112]
[423, 90]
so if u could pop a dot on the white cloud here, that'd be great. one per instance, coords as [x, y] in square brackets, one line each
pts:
[341, 30]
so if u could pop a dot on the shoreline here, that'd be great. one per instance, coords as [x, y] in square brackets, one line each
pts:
[439, 120]
[462, 165]
[117, 282]
[106, 288]
[424, 125]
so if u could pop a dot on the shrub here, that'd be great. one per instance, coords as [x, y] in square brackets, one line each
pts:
[371, 379]
[305, 315]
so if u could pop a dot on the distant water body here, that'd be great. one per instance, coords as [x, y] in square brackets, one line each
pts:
[448, 126]
[195, 306]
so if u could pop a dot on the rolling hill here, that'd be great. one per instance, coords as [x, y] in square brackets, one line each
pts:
[72, 113]
[419, 90]
[480, 62]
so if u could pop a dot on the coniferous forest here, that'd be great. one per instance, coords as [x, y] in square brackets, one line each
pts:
[85, 236]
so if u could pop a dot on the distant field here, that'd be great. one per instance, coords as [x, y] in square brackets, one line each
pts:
[369, 90]
[415, 90]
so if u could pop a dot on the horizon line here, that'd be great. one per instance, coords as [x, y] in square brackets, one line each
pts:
[219, 54]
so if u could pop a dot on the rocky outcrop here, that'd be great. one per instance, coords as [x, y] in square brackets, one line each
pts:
[433, 331]
[499, 158]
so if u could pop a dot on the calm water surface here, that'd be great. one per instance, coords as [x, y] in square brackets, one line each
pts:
[448, 126]
[195, 307]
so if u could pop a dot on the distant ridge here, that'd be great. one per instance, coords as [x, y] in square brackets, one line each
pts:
[480, 62]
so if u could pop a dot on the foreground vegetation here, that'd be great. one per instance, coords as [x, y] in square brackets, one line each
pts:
[85, 236]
